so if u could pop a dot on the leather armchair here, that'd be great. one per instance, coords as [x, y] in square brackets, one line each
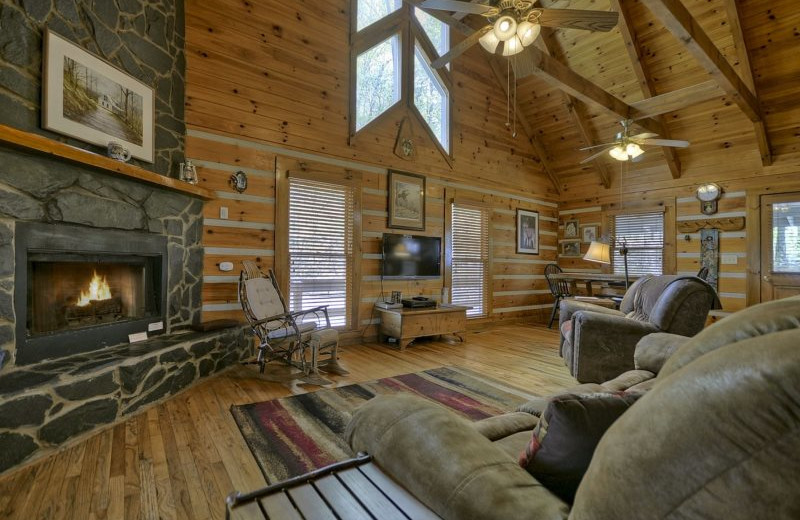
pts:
[714, 436]
[597, 344]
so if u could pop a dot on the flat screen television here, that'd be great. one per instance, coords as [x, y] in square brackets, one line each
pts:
[411, 256]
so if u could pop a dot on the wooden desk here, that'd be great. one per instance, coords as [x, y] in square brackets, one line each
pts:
[408, 323]
[588, 278]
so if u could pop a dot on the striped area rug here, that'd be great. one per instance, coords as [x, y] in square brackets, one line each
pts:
[294, 435]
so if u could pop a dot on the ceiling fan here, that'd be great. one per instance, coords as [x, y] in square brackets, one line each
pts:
[515, 24]
[628, 147]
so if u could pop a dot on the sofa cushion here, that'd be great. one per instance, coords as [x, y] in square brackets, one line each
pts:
[563, 442]
[752, 322]
[718, 438]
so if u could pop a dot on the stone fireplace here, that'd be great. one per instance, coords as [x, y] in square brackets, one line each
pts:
[81, 289]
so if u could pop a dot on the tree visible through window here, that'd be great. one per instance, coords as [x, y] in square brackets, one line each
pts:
[378, 80]
[786, 237]
[430, 98]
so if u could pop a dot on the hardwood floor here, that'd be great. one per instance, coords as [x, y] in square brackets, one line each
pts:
[181, 458]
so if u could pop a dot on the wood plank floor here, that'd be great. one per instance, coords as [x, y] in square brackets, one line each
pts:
[181, 458]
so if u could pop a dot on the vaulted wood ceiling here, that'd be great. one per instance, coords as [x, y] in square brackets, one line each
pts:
[723, 74]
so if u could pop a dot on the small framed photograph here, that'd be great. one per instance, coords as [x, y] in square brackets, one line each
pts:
[571, 248]
[406, 201]
[571, 229]
[527, 232]
[589, 234]
[89, 99]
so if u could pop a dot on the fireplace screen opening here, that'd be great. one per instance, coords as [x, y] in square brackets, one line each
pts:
[87, 291]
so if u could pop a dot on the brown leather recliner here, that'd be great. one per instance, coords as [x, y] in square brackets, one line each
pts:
[716, 436]
[597, 343]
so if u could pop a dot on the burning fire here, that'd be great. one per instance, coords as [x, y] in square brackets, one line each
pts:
[98, 290]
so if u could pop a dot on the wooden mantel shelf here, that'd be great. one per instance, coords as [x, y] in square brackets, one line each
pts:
[43, 145]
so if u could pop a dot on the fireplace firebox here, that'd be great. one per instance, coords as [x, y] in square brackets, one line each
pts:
[80, 289]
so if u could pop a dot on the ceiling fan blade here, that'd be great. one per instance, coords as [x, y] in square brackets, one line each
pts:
[595, 156]
[579, 19]
[557, 4]
[459, 49]
[646, 135]
[455, 6]
[596, 146]
[665, 142]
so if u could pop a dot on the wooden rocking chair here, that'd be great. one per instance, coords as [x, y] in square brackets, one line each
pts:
[290, 337]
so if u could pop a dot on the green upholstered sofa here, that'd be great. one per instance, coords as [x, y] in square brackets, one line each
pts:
[716, 435]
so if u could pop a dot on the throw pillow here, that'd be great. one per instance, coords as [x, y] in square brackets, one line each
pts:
[563, 443]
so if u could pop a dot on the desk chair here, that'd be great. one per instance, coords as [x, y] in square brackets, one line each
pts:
[561, 290]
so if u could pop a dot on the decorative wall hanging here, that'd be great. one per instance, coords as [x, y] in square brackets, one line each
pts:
[404, 146]
[571, 248]
[406, 201]
[571, 229]
[708, 195]
[709, 254]
[527, 232]
[89, 99]
[588, 234]
[238, 181]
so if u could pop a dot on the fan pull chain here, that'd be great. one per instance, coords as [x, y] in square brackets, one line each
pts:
[508, 94]
[514, 133]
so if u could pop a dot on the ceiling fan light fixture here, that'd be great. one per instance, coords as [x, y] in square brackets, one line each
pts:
[505, 28]
[633, 150]
[512, 46]
[528, 32]
[489, 42]
[618, 153]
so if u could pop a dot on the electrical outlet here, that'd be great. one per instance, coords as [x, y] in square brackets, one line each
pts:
[729, 259]
[223, 212]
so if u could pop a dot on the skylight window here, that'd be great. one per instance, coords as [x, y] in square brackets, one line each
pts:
[431, 99]
[377, 80]
[370, 11]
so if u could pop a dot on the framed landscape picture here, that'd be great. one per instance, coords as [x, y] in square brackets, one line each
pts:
[89, 99]
[571, 248]
[527, 231]
[406, 201]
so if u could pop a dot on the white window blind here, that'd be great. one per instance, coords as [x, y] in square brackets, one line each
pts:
[321, 247]
[470, 262]
[644, 235]
[786, 237]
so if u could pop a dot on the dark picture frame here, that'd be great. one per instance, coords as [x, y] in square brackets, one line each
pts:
[406, 201]
[570, 248]
[88, 98]
[527, 232]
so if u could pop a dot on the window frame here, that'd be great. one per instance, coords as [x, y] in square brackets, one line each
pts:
[488, 303]
[404, 22]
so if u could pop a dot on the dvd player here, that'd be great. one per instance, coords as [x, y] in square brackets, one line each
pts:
[419, 302]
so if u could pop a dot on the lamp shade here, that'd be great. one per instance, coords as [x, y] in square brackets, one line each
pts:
[528, 32]
[598, 252]
[505, 27]
[512, 46]
[618, 153]
[489, 41]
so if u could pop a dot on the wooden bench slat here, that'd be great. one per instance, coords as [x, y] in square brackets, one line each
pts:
[247, 511]
[413, 508]
[310, 503]
[370, 496]
[340, 499]
[279, 507]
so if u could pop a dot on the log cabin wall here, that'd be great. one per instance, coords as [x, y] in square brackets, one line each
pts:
[267, 91]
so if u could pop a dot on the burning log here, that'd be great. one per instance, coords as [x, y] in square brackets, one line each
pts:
[96, 311]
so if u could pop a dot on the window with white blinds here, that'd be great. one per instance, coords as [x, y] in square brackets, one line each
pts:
[470, 261]
[644, 235]
[786, 237]
[321, 247]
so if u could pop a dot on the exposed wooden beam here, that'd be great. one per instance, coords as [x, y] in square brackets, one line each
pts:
[677, 19]
[746, 72]
[526, 126]
[678, 99]
[646, 83]
[576, 109]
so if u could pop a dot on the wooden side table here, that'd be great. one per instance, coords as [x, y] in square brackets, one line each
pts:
[407, 324]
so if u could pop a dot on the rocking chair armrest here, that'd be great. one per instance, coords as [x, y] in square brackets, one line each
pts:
[283, 316]
[314, 310]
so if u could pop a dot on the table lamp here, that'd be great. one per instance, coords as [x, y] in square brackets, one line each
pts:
[601, 252]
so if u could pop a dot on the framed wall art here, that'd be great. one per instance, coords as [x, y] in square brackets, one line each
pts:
[588, 234]
[571, 248]
[406, 201]
[527, 231]
[89, 99]
[571, 229]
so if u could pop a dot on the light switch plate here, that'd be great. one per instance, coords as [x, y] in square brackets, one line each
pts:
[729, 259]
[223, 212]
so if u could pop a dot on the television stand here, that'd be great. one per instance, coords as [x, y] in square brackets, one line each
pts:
[407, 324]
